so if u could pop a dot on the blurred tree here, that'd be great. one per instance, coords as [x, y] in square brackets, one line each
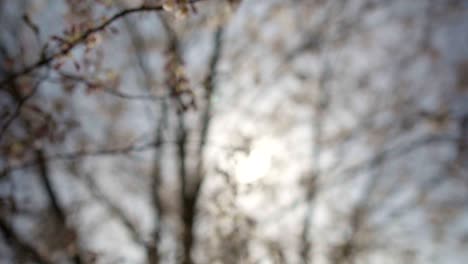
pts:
[191, 131]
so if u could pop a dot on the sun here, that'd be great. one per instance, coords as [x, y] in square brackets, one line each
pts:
[257, 163]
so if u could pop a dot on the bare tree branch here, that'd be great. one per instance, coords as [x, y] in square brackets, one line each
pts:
[57, 209]
[74, 155]
[46, 60]
[24, 248]
[20, 102]
[112, 90]
[114, 209]
[153, 248]
[387, 154]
